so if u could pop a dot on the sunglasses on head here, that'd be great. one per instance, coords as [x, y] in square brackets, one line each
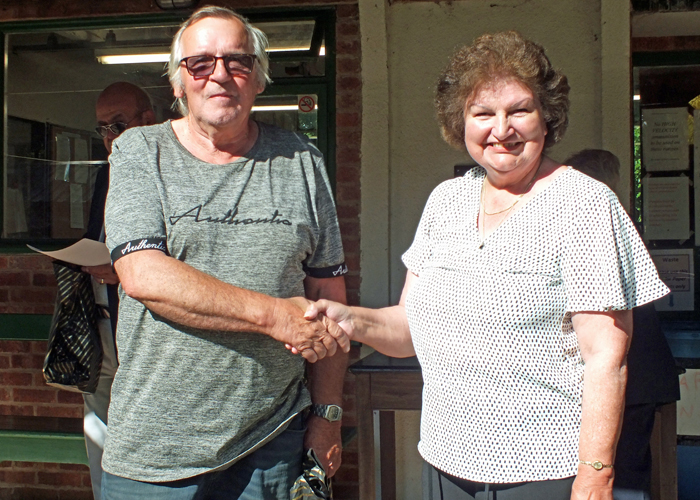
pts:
[235, 64]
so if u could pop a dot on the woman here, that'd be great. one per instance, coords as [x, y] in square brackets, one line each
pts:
[518, 295]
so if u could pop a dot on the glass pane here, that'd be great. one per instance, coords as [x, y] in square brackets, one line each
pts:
[53, 79]
[298, 113]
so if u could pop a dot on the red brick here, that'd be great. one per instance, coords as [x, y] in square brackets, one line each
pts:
[27, 361]
[349, 226]
[20, 477]
[347, 211]
[30, 261]
[4, 296]
[347, 47]
[353, 297]
[350, 65]
[15, 346]
[347, 155]
[347, 119]
[349, 82]
[352, 281]
[33, 295]
[60, 478]
[12, 409]
[351, 245]
[3, 262]
[34, 395]
[347, 29]
[5, 394]
[4, 361]
[348, 137]
[66, 397]
[347, 191]
[15, 378]
[39, 347]
[347, 11]
[14, 278]
[44, 279]
[29, 465]
[348, 101]
[26, 493]
[84, 494]
[60, 411]
[74, 467]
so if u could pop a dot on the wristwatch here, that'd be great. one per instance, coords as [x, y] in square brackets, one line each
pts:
[596, 464]
[332, 413]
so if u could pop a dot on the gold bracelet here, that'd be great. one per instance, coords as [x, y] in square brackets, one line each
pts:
[596, 464]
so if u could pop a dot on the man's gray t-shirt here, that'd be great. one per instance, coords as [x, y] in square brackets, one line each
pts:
[185, 401]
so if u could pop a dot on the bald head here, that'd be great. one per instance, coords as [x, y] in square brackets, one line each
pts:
[123, 102]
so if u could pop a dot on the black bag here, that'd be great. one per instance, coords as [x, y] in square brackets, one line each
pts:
[74, 355]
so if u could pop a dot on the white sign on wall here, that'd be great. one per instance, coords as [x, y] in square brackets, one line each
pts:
[665, 139]
[688, 408]
[676, 270]
[666, 208]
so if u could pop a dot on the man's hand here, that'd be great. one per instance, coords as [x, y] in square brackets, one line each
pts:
[313, 339]
[103, 274]
[325, 439]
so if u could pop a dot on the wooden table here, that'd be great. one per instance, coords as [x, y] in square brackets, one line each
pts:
[384, 384]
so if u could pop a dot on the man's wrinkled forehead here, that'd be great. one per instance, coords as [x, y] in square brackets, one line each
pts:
[207, 30]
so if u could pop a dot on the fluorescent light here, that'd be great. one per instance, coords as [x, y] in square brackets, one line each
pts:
[636, 97]
[165, 56]
[283, 107]
[134, 58]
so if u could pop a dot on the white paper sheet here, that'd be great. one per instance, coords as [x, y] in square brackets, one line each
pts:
[83, 253]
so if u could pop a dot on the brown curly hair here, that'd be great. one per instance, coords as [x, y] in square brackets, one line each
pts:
[494, 57]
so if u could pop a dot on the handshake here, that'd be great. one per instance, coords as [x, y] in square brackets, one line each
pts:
[313, 329]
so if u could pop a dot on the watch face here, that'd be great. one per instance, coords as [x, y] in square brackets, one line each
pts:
[334, 413]
[597, 465]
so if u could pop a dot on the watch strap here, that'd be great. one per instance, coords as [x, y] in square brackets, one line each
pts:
[332, 413]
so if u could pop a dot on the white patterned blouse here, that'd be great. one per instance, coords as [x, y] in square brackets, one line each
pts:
[491, 322]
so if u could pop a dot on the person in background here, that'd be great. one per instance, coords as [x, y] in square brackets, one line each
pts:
[120, 106]
[519, 289]
[652, 377]
[220, 229]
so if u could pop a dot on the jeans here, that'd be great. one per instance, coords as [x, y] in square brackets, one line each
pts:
[266, 474]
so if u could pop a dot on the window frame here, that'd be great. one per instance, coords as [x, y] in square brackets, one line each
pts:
[323, 87]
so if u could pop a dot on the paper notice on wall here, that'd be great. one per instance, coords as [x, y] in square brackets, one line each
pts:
[666, 208]
[676, 270]
[62, 155]
[665, 139]
[77, 219]
[688, 408]
[82, 172]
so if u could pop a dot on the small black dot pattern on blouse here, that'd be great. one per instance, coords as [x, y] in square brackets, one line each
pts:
[491, 322]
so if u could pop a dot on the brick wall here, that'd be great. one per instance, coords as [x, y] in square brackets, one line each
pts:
[27, 285]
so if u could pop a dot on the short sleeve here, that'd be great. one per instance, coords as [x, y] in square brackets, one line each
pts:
[418, 254]
[133, 213]
[327, 259]
[605, 265]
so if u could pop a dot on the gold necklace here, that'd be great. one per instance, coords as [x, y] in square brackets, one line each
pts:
[481, 223]
[508, 209]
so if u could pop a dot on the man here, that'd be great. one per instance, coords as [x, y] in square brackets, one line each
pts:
[120, 106]
[652, 378]
[214, 221]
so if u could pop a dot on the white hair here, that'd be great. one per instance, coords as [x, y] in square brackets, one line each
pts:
[259, 39]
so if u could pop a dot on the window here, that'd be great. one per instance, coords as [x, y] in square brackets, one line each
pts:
[53, 75]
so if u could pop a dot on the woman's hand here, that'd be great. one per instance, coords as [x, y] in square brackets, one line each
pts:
[340, 313]
[325, 310]
[593, 484]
